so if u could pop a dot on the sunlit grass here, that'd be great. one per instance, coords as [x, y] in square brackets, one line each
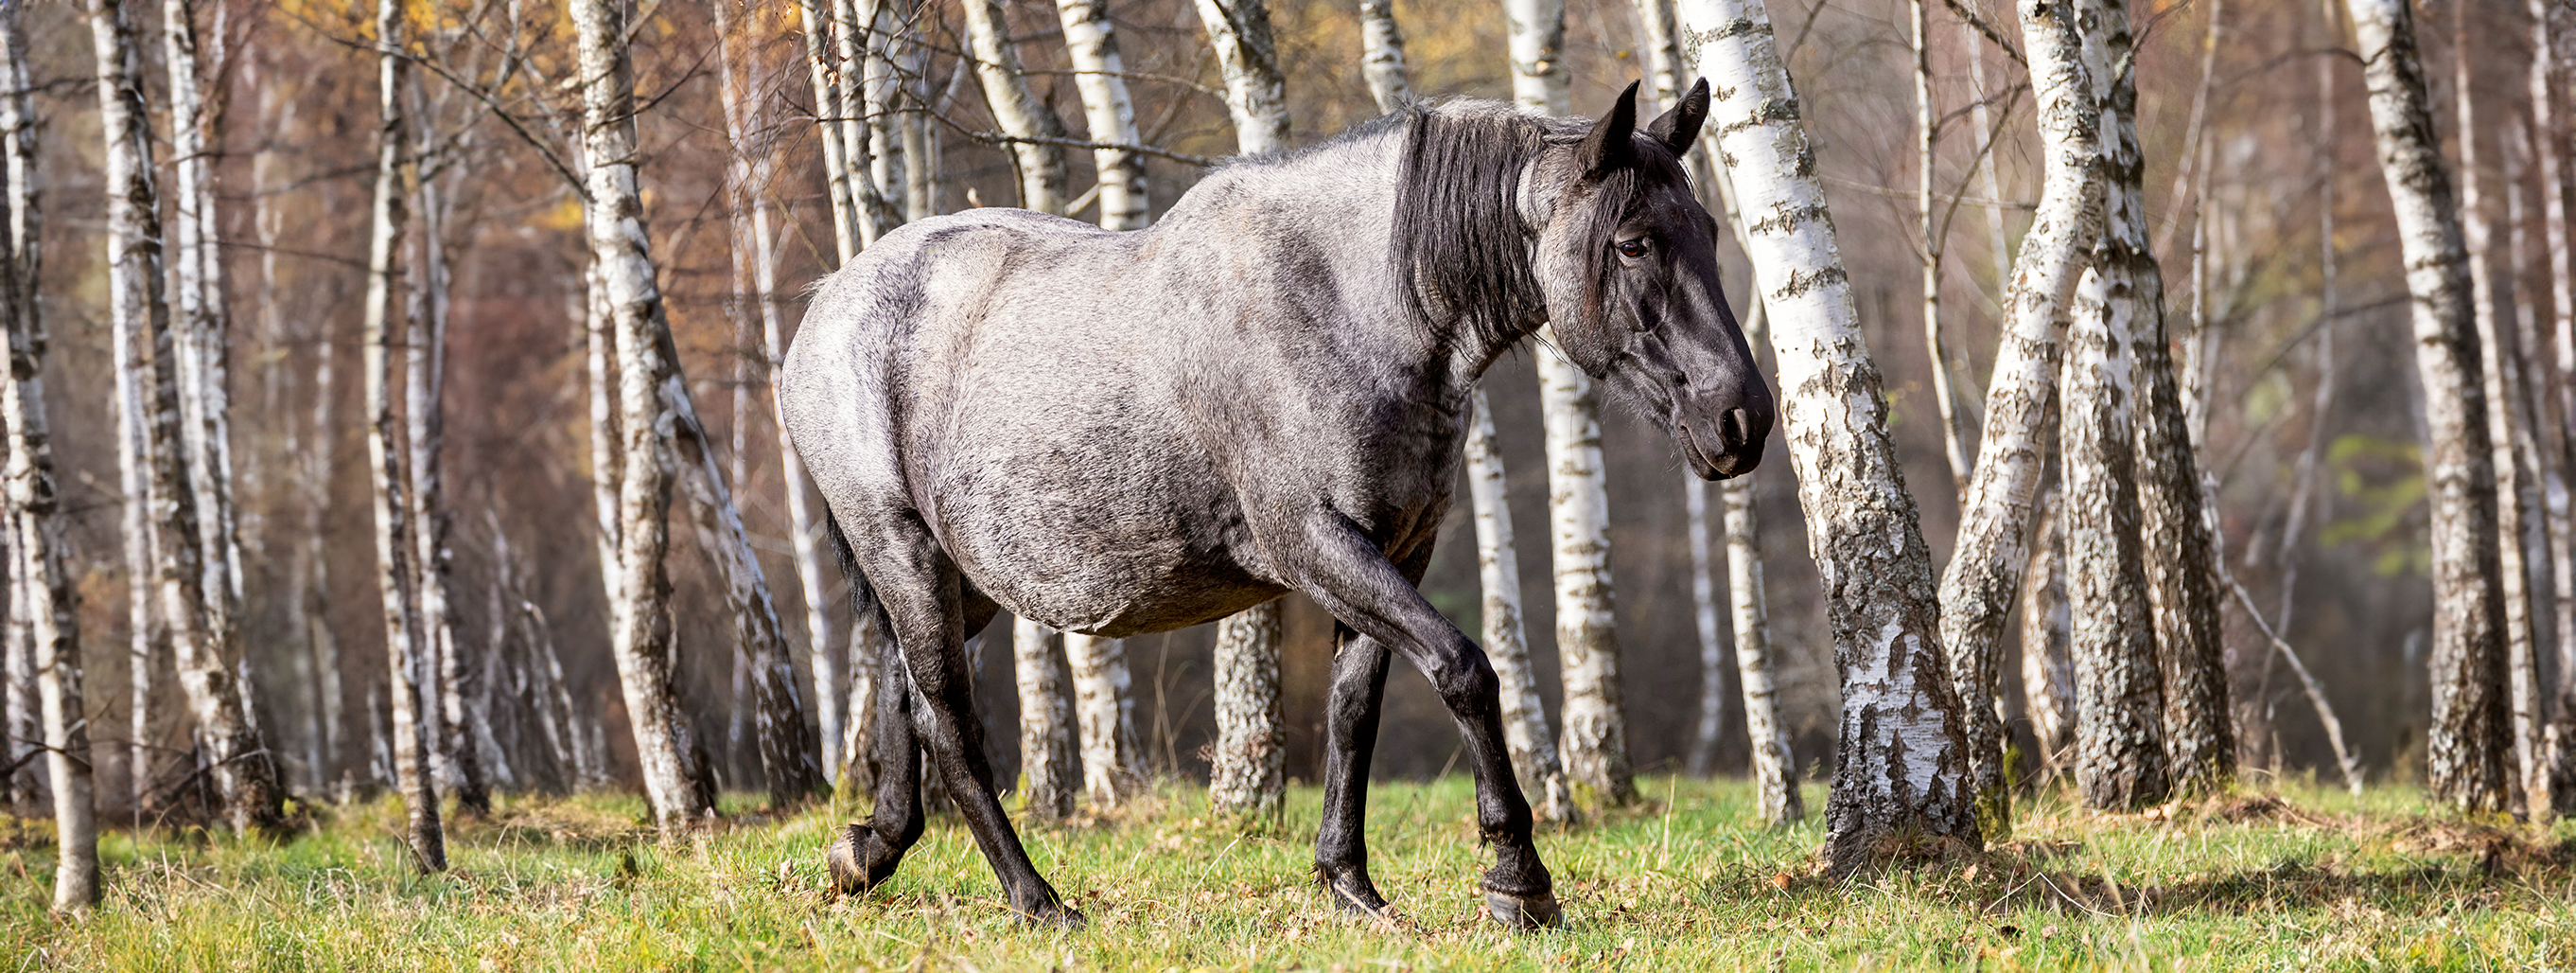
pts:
[1685, 882]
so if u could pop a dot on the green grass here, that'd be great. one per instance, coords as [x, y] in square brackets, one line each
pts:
[2324, 882]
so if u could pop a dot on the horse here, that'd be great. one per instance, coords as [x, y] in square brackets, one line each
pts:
[1122, 433]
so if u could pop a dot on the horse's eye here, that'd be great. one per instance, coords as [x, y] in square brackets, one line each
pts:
[1633, 249]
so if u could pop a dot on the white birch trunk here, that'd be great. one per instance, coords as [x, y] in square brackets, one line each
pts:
[1774, 763]
[1712, 646]
[632, 303]
[1113, 761]
[2047, 671]
[47, 605]
[2176, 549]
[1382, 55]
[854, 45]
[1049, 767]
[2468, 745]
[1593, 744]
[424, 382]
[1498, 570]
[828, 111]
[2553, 29]
[2120, 759]
[2516, 500]
[1016, 109]
[1928, 224]
[405, 661]
[1902, 761]
[201, 640]
[1101, 78]
[1255, 91]
[1246, 775]
[200, 317]
[1987, 560]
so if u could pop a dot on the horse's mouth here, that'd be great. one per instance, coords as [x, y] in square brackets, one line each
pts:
[1703, 465]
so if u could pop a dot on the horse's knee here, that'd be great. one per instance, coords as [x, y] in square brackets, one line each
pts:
[1465, 681]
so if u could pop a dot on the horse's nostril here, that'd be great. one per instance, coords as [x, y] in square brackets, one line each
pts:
[1736, 429]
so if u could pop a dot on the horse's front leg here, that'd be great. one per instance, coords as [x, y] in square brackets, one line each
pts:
[1345, 573]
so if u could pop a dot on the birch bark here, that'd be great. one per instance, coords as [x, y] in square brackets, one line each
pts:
[1901, 768]
[424, 382]
[1113, 761]
[2119, 697]
[1929, 224]
[1498, 569]
[1775, 765]
[2468, 745]
[680, 793]
[1016, 108]
[1712, 646]
[1992, 546]
[1100, 75]
[2516, 501]
[404, 658]
[2047, 670]
[1246, 776]
[1049, 767]
[2182, 594]
[1382, 55]
[1255, 91]
[201, 639]
[48, 605]
[2553, 24]
[828, 112]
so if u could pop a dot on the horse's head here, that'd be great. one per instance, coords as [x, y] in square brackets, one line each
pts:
[1627, 261]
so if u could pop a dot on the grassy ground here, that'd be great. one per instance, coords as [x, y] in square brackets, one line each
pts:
[2321, 881]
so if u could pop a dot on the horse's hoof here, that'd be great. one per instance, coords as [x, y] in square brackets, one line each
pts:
[860, 859]
[1357, 895]
[1523, 913]
[1057, 915]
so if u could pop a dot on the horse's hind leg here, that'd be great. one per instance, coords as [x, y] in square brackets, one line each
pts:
[1347, 574]
[929, 605]
[864, 855]
[1350, 738]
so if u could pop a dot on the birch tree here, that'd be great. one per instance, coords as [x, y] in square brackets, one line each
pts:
[829, 109]
[2516, 501]
[2176, 548]
[1104, 709]
[1036, 135]
[2553, 25]
[424, 349]
[1901, 765]
[405, 661]
[1049, 768]
[1101, 76]
[200, 319]
[1988, 557]
[47, 604]
[1929, 224]
[2119, 697]
[1498, 570]
[2468, 744]
[1252, 731]
[1382, 55]
[201, 641]
[1712, 655]
[1593, 742]
[2047, 672]
[630, 303]
[1775, 765]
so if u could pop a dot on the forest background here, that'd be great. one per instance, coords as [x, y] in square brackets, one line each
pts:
[295, 85]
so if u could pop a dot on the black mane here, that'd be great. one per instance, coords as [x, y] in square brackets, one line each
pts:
[1459, 237]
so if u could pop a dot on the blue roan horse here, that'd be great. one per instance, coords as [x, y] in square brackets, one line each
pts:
[1123, 433]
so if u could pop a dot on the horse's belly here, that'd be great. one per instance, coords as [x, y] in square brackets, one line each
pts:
[1103, 552]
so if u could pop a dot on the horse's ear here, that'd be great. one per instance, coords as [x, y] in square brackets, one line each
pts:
[1608, 147]
[1679, 125]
